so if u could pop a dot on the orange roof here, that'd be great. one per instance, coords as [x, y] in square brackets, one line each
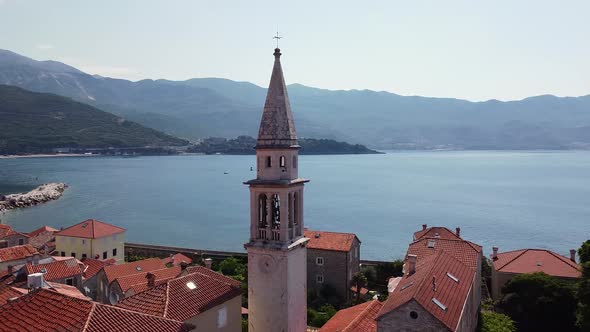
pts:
[16, 253]
[176, 259]
[7, 293]
[113, 272]
[329, 240]
[434, 282]
[536, 260]
[359, 318]
[93, 266]
[465, 251]
[138, 282]
[6, 230]
[45, 310]
[44, 229]
[184, 297]
[60, 269]
[441, 232]
[91, 229]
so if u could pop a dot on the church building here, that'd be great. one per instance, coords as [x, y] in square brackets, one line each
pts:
[277, 278]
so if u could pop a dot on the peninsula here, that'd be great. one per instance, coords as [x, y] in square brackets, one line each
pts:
[41, 194]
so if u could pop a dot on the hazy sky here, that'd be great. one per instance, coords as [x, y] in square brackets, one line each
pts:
[477, 50]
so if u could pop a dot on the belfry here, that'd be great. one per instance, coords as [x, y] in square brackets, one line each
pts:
[277, 296]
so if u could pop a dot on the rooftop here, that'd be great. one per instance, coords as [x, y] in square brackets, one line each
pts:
[113, 272]
[436, 232]
[536, 260]
[57, 270]
[16, 253]
[186, 296]
[359, 318]
[91, 229]
[329, 240]
[43, 229]
[138, 282]
[176, 259]
[47, 311]
[465, 251]
[6, 230]
[93, 266]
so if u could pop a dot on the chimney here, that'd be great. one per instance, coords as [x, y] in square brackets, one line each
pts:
[495, 253]
[183, 266]
[35, 280]
[458, 231]
[9, 267]
[411, 264]
[573, 255]
[151, 279]
[424, 226]
[36, 257]
[208, 263]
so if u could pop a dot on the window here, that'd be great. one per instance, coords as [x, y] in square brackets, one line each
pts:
[319, 278]
[63, 254]
[104, 255]
[413, 315]
[319, 260]
[83, 241]
[114, 252]
[70, 281]
[282, 161]
[294, 161]
[268, 162]
[83, 256]
[222, 317]
[21, 242]
[262, 212]
[73, 254]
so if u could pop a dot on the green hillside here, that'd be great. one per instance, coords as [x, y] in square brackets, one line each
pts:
[37, 122]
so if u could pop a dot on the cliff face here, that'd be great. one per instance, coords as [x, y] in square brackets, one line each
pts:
[41, 194]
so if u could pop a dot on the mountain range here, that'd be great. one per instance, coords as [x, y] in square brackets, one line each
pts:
[203, 107]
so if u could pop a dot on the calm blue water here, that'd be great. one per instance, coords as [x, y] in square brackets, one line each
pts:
[508, 199]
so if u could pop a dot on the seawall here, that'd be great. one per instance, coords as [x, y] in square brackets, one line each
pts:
[43, 193]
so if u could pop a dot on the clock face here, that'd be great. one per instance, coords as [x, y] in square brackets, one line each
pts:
[266, 264]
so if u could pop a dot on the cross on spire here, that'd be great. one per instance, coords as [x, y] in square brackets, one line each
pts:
[277, 37]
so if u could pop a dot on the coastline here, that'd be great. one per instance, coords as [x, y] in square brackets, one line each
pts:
[42, 194]
[15, 156]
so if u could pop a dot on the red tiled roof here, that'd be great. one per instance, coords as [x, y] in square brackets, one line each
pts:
[536, 260]
[42, 239]
[93, 266]
[60, 269]
[113, 272]
[176, 259]
[48, 311]
[66, 290]
[7, 293]
[138, 281]
[465, 251]
[44, 229]
[91, 229]
[6, 230]
[17, 252]
[176, 300]
[430, 271]
[442, 232]
[359, 318]
[329, 240]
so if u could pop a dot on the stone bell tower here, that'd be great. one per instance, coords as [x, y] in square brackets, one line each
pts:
[277, 273]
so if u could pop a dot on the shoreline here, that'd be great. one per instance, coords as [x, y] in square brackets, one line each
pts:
[15, 156]
[42, 194]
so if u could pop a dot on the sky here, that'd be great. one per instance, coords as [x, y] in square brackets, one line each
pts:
[475, 50]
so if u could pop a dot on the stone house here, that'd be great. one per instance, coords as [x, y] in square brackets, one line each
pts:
[91, 239]
[507, 265]
[199, 296]
[10, 238]
[332, 259]
[16, 256]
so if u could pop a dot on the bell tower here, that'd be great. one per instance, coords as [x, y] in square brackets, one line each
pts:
[277, 272]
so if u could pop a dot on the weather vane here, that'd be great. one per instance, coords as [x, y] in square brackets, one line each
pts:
[277, 37]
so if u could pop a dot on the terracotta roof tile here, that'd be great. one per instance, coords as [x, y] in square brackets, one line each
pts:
[42, 239]
[44, 229]
[329, 240]
[184, 297]
[56, 270]
[433, 280]
[6, 230]
[176, 259]
[48, 311]
[467, 252]
[7, 293]
[91, 229]
[359, 318]
[138, 281]
[536, 260]
[442, 232]
[16, 253]
[93, 266]
[113, 272]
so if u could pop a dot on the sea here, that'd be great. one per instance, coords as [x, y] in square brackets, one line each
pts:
[508, 199]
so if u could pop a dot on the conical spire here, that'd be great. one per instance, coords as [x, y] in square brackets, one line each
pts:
[277, 129]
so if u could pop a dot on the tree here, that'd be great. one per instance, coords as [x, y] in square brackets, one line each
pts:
[232, 267]
[539, 302]
[496, 322]
[359, 280]
[583, 292]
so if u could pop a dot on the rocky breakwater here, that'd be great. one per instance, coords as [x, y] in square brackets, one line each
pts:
[41, 194]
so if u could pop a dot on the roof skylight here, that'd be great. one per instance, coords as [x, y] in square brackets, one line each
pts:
[431, 243]
[406, 286]
[439, 304]
[191, 285]
[455, 279]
